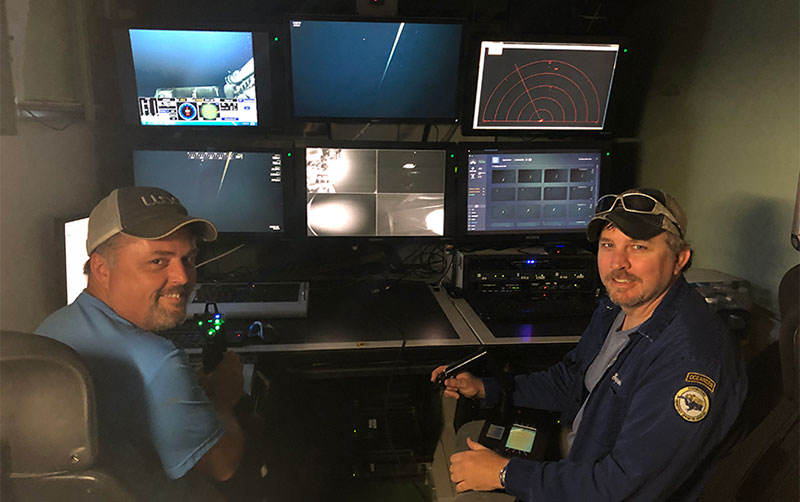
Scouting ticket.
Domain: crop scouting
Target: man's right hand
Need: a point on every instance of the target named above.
(224, 386)
(464, 384)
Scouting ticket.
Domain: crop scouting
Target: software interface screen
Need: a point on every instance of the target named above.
(374, 192)
(528, 192)
(194, 77)
(374, 69)
(237, 191)
(543, 86)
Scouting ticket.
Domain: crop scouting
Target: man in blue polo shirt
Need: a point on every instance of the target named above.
(151, 407)
(651, 389)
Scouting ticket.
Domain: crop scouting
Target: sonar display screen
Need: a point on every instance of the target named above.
(375, 192)
(534, 86)
(191, 78)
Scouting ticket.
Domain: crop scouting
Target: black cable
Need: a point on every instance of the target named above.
(42, 122)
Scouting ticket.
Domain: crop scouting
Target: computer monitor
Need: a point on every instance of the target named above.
(530, 190)
(239, 191)
(526, 87)
(75, 232)
(376, 70)
(387, 191)
(194, 77)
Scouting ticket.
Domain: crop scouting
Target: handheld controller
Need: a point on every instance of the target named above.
(459, 366)
(214, 339)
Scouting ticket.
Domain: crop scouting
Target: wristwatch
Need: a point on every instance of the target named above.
(503, 476)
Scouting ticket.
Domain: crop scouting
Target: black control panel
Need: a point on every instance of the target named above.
(527, 284)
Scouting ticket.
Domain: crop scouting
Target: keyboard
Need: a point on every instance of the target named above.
(256, 300)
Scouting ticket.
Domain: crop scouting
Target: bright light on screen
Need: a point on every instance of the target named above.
(75, 232)
(375, 192)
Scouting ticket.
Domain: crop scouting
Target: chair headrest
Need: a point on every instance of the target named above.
(47, 407)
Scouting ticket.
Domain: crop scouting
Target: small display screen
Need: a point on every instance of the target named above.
(538, 86)
(521, 438)
(375, 192)
(237, 191)
(495, 432)
(191, 78)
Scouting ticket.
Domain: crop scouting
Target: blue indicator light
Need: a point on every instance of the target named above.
(530, 262)
(217, 316)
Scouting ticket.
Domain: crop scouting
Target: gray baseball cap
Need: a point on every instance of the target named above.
(144, 212)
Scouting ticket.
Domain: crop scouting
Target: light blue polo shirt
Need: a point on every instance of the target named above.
(147, 392)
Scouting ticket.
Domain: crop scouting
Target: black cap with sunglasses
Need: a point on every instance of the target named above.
(641, 213)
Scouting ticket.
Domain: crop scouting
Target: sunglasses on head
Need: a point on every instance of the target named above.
(635, 203)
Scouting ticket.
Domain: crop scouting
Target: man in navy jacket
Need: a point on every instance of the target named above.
(651, 389)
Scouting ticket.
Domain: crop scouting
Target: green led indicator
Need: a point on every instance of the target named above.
(289, 154)
(275, 39)
(217, 328)
(211, 332)
(217, 322)
(625, 51)
(199, 323)
(455, 169)
(608, 154)
(452, 155)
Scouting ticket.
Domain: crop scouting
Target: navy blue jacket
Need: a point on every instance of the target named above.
(671, 396)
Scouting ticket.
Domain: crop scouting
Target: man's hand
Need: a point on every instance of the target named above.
(477, 469)
(464, 384)
(224, 385)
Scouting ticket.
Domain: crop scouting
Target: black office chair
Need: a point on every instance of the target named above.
(48, 428)
(764, 465)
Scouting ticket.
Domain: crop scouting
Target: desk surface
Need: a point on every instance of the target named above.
(384, 314)
(368, 314)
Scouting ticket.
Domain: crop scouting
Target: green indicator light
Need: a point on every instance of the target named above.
(199, 323)
(455, 169)
(624, 50)
(217, 328)
(217, 322)
(452, 155)
(211, 332)
(275, 39)
(289, 154)
(608, 154)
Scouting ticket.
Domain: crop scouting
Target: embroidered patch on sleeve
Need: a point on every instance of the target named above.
(692, 403)
(693, 377)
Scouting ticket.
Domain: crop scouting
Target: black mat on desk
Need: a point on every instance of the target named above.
(367, 311)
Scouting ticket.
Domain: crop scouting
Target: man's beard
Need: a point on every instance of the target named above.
(620, 300)
(162, 319)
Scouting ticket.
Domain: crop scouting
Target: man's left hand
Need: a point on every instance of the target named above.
(477, 469)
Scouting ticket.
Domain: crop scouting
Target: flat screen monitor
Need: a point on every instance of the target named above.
(523, 86)
(75, 233)
(239, 191)
(375, 192)
(375, 70)
(176, 77)
(529, 191)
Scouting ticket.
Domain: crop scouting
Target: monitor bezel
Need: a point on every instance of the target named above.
(457, 115)
(532, 237)
(269, 66)
(450, 216)
(470, 84)
(288, 171)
